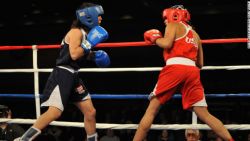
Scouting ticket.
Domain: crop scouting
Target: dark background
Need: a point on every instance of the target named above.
(45, 22)
(32, 22)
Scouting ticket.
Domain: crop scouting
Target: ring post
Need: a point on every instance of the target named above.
(36, 81)
(194, 118)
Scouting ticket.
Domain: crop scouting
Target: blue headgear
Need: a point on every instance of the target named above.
(89, 16)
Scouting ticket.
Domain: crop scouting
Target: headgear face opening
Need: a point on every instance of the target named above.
(89, 16)
(176, 13)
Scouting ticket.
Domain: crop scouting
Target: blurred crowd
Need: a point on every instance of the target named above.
(59, 133)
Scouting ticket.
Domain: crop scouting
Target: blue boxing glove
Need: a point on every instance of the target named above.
(101, 59)
(96, 35)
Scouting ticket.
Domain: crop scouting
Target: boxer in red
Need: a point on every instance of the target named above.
(182, 52)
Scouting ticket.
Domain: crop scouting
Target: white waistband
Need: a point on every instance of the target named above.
(68, 69)
(180, 60)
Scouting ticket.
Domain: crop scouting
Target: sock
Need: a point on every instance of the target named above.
(30, 134)
(92, 137)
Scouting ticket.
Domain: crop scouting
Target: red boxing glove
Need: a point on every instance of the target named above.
(152, 35)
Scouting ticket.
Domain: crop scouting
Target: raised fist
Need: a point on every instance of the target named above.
(96, 35)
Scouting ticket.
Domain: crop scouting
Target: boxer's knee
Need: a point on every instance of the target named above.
(90, 114)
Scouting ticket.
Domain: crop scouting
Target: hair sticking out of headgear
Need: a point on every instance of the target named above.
(178, 7)
(89, 16)
(176, 13)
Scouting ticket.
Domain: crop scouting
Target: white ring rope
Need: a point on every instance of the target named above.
(130, 126)
(125, 69)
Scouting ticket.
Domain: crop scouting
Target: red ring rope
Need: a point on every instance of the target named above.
(126, 44)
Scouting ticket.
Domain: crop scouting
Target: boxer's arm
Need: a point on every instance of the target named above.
(200, 59)
(74, 38)
(169, 36)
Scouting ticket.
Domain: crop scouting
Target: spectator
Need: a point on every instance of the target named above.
(55, 131)
(127, 134)
(163, 136)
(211, 136)
(110, 136)
(218, 139)
(192, 134)
(8, 132)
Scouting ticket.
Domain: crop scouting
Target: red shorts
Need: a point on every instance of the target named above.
(182, 77)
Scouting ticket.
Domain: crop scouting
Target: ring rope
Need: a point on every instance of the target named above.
(125, 69)
(125, 44)
(130, 126)
(129, 96)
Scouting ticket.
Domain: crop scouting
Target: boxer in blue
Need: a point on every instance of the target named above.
(64, 85)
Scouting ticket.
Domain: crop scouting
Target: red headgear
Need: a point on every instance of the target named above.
(176, 14)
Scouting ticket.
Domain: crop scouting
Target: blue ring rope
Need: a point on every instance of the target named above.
(129, 96)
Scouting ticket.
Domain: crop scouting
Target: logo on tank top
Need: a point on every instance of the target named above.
(191, 41)
(80, 89)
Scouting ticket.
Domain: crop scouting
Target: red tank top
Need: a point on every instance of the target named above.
(183, 46)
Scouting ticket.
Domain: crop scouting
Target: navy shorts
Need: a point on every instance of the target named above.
(63, 86)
